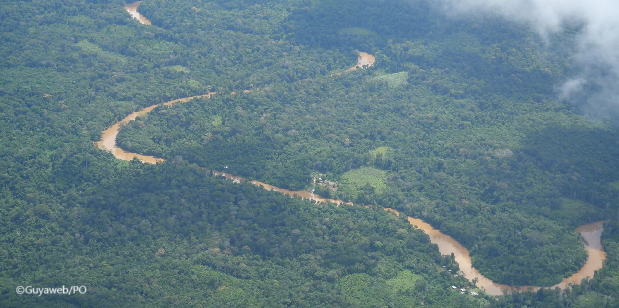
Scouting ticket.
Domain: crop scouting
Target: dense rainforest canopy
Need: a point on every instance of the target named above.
(456, 123)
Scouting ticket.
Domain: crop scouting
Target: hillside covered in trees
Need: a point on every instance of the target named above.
(456, 123)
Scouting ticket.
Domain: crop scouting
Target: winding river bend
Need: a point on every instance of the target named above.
(132, 8)
(447, 245)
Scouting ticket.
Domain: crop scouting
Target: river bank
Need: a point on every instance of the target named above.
(447, 245)
(132, 8)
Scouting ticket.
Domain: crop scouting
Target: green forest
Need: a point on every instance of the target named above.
(457, 123)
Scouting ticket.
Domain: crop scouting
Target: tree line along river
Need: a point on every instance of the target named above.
(447, 245)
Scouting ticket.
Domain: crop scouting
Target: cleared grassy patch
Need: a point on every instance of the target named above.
(352, 181)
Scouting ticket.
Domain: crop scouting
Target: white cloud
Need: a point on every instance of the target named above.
(598, 41)
(570, 87)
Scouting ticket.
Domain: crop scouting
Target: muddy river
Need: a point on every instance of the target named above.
(447, 245)
(132, 8)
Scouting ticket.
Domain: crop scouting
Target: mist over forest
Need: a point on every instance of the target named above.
(595, 28)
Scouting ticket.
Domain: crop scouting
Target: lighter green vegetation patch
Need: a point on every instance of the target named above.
(356, 31)
(362, 290)
(159, 47)
(178, 68)
(352, 181)
(392, 80)
(359, 291)
(216, 120)
(403, 282)
(88, 47)
(93, 49)
(573, 209)
(195, 85)
(380, 151)
(614, 185)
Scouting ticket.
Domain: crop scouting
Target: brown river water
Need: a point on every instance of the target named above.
(132, 8)
(447, 245)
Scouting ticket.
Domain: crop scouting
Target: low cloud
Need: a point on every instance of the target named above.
(570, 87)
(596, 87)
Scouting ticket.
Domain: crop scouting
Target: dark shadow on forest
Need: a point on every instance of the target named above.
(582, 164)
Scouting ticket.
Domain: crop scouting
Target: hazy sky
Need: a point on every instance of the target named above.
(598, 41)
